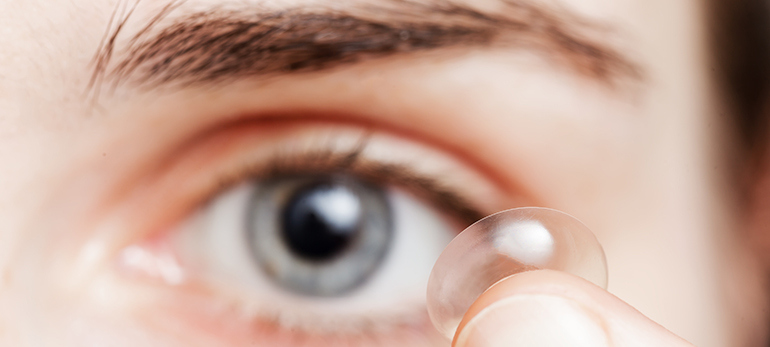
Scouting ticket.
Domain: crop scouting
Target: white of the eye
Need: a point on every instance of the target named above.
(214, 242)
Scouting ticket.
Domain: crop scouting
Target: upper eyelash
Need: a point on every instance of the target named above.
(351, 162)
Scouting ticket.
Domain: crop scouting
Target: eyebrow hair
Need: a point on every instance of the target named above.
(221, 44)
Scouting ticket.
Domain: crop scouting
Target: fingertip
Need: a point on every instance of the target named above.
(530, 282)
(551, 308)
(533, 320)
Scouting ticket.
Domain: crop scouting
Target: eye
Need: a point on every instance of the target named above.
(316, 237)
(317, 253)
(319, 236)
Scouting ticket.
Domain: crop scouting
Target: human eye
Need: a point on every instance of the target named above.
(290, 233)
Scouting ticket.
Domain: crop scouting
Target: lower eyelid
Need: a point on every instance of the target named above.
(188, 316)
(219, 326)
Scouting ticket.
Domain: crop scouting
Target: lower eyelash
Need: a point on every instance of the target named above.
(324, 324)
(230, 319)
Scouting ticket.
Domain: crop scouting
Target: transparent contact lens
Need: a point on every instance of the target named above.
(504, 244)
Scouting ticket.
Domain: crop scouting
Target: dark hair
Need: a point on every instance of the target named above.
(740, 32)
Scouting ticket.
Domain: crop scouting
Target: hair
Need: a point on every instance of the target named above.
(740, 43)
(740, 34)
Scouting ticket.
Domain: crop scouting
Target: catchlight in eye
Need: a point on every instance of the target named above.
(502, 245)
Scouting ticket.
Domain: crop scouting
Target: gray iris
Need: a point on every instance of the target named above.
(319, 236)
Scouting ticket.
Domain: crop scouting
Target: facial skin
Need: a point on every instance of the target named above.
(609, 115)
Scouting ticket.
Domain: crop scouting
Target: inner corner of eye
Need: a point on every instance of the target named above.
(151, 259)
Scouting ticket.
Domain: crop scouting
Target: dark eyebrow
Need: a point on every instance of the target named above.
(226, 44)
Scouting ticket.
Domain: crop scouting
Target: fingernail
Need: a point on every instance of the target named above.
(533, 320)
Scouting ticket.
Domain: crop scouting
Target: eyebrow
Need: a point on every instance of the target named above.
(220, 45)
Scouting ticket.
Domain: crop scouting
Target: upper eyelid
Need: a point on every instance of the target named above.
(328, 153)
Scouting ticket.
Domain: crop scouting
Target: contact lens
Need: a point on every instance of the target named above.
(504, 244)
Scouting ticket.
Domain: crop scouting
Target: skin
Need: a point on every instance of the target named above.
(643, 161)
(569, 311)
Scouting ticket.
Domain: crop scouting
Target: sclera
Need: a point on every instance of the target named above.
(504, 244)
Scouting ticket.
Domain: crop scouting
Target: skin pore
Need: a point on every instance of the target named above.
(121, 122)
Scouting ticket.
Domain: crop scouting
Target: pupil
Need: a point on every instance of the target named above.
(320, 220)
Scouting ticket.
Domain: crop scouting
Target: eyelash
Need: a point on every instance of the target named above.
(351, 162)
